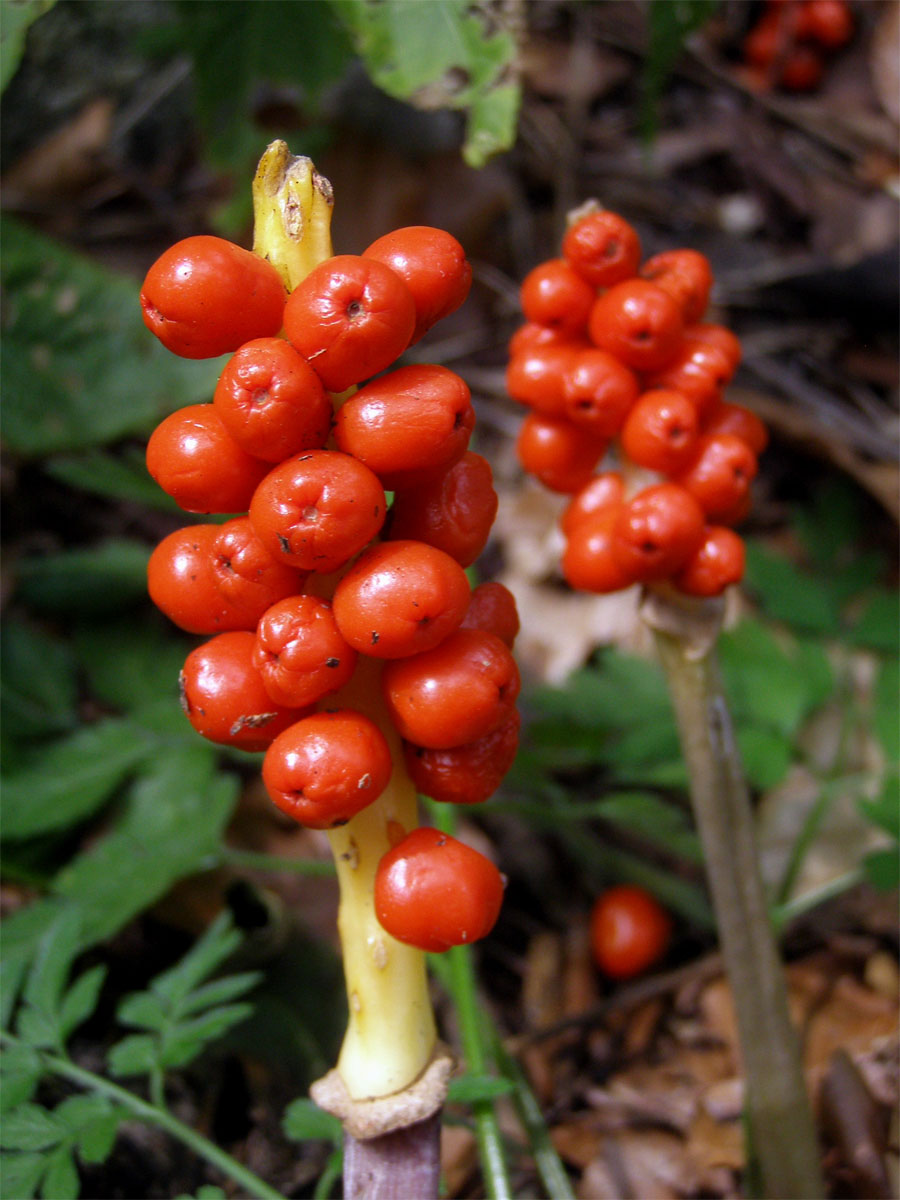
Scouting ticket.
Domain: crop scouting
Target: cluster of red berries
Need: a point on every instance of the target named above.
(790, 42)
(307, 431)
(625, 383)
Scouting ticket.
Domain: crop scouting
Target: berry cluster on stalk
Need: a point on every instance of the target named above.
(791, 41)
(316, 571)
(625, 382)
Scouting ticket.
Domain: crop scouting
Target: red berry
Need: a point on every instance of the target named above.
(687, 277)
(656, 532)
(588, 561)
(453, 511)
(272, 402)
(599, 494)
(532, 336)
(432, 264)
(224, 698)
(194, 458)
(639, 323)
(350, 318)
(598, 392)
(630, 931)
(699, 370)
(602, 248)
(553, 294)
(300, 651)
(467, 774)
(719, 475)
(400, 598)
(205, 296)
(315, 511)
(456, 693)
(434, 892)
(492, 607)
(246, 575)
(558, 453)
(535, 376)
(407, 424)
(661, 431)
(733, 418)
(181, 583)
(327, 767)
(716, 564)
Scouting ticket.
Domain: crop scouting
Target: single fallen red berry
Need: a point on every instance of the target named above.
(630, 931)
(205, 296)
(433, 891)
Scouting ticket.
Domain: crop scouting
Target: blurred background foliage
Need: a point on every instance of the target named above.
(126, 126)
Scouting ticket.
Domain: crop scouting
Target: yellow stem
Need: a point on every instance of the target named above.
(391, 1034)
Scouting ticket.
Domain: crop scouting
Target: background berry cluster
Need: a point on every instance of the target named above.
(625, 382)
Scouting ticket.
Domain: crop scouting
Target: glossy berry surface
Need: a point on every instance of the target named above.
(327, 767)
(492, 607)
(602, 248)
(453, 510)
(467, 774)
(205, 296)
(432, 264)
(629, 931)
(433, 891)
(300, 652)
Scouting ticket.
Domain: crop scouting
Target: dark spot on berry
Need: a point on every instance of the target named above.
(284, 543)
(374, 638)
(332, 662)
(354, 310)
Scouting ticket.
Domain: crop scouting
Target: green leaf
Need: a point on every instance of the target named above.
(189, 1038)
(18, 16)
(789, 594)
(79, 367)
(99, 579)
(884, 810)
(882, 868)
(20, 1175)
(136, 1054)
(878, 624)
(30, 1127)
(654, 819)
(133, 664)
(218, 941)
(765, 754)
(55, 953)
(468, 1088)
(37, 687)
(886, 717)
(61, 1180)
(442, 54)
(71, 778)
(80, 1000)
(670, 24)
(121, 476)
(304, 1121)
(142, 1010)
(20, 1072)
(219, 991)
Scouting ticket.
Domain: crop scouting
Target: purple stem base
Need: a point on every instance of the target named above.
(395, 1166)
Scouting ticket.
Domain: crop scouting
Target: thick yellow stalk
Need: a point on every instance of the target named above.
(391, 1035)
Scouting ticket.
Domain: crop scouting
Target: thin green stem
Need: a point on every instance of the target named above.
(252, 860)
(149, 1113)
(783, 1137)
(799, 906)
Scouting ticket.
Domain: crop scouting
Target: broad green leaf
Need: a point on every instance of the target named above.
(466, 1089)
(37, 686)
(61, 1180)
(20, 1072)
(765, 754)
(98, 579)
(882, 868)
(20, 1175)
(304, 1121)
(71, 778)
(79, 366)
(17, 17)
(30, 1127)
(442, 54)
(878, 624)
(121, 476)
(670, 23)
(132, 664)
(790, 594)
(886, 717)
